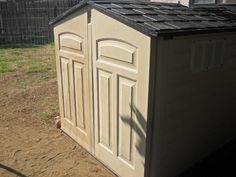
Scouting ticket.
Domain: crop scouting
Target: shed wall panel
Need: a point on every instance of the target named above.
(195, 112)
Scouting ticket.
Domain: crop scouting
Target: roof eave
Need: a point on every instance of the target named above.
(188, 32)
(70, 11)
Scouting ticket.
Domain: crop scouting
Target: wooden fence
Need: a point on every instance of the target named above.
(25, 22)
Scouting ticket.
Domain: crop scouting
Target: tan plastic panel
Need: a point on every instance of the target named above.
(116, 50)
(121, 76)
(73, 78)
(70, 42)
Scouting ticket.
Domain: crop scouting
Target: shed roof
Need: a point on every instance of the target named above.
(166, 19)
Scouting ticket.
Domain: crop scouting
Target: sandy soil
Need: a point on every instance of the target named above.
(30, 145)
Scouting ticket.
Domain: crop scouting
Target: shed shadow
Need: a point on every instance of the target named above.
(139, 128)
(222, 163)
(11, 170)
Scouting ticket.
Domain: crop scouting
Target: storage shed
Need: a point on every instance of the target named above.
(147, 88)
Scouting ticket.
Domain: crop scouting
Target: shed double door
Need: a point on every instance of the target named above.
(117, 70)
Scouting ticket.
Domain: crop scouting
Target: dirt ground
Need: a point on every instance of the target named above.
(30, 145)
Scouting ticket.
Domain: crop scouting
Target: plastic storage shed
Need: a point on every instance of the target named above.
(147, 88)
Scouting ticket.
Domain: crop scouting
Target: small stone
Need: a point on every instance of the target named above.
(57, 117)
(57, 123)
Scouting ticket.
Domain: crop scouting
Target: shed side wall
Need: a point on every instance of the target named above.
(195, 112)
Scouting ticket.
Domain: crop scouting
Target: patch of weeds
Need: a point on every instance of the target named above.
(38, 68)
(6, 67)
(49, 114)
(29, 60)
(24, 82)
(6, 63)
(44, 78)
(16, 52)
(19, 65)
(8, 58)
(51, 44)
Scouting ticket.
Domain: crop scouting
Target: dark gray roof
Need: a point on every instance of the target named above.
(163, 18)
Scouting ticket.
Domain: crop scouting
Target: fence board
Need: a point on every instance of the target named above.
(25, 22)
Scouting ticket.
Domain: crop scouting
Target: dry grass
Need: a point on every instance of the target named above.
(27, 67)
(28, 60)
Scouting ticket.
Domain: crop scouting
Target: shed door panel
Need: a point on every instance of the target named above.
(120, 70)
(126, 119)
(73, 79)
(104, 106)
(79, 94)
(65, 79)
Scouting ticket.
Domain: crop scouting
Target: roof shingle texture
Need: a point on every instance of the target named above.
(162, 18)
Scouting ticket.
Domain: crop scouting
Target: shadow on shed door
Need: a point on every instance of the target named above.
(140, 131)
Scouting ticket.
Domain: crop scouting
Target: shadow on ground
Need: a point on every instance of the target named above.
(220, 164)
(11, 170)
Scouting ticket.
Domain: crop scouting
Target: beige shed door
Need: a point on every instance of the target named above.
(73, 78)
(120, 67)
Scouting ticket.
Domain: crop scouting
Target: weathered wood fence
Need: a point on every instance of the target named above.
(25, 22)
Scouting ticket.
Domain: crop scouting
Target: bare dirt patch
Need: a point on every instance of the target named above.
(30, 145)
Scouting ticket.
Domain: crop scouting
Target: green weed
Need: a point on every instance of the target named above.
(49, 114)
(38, 69)
(6, 67)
